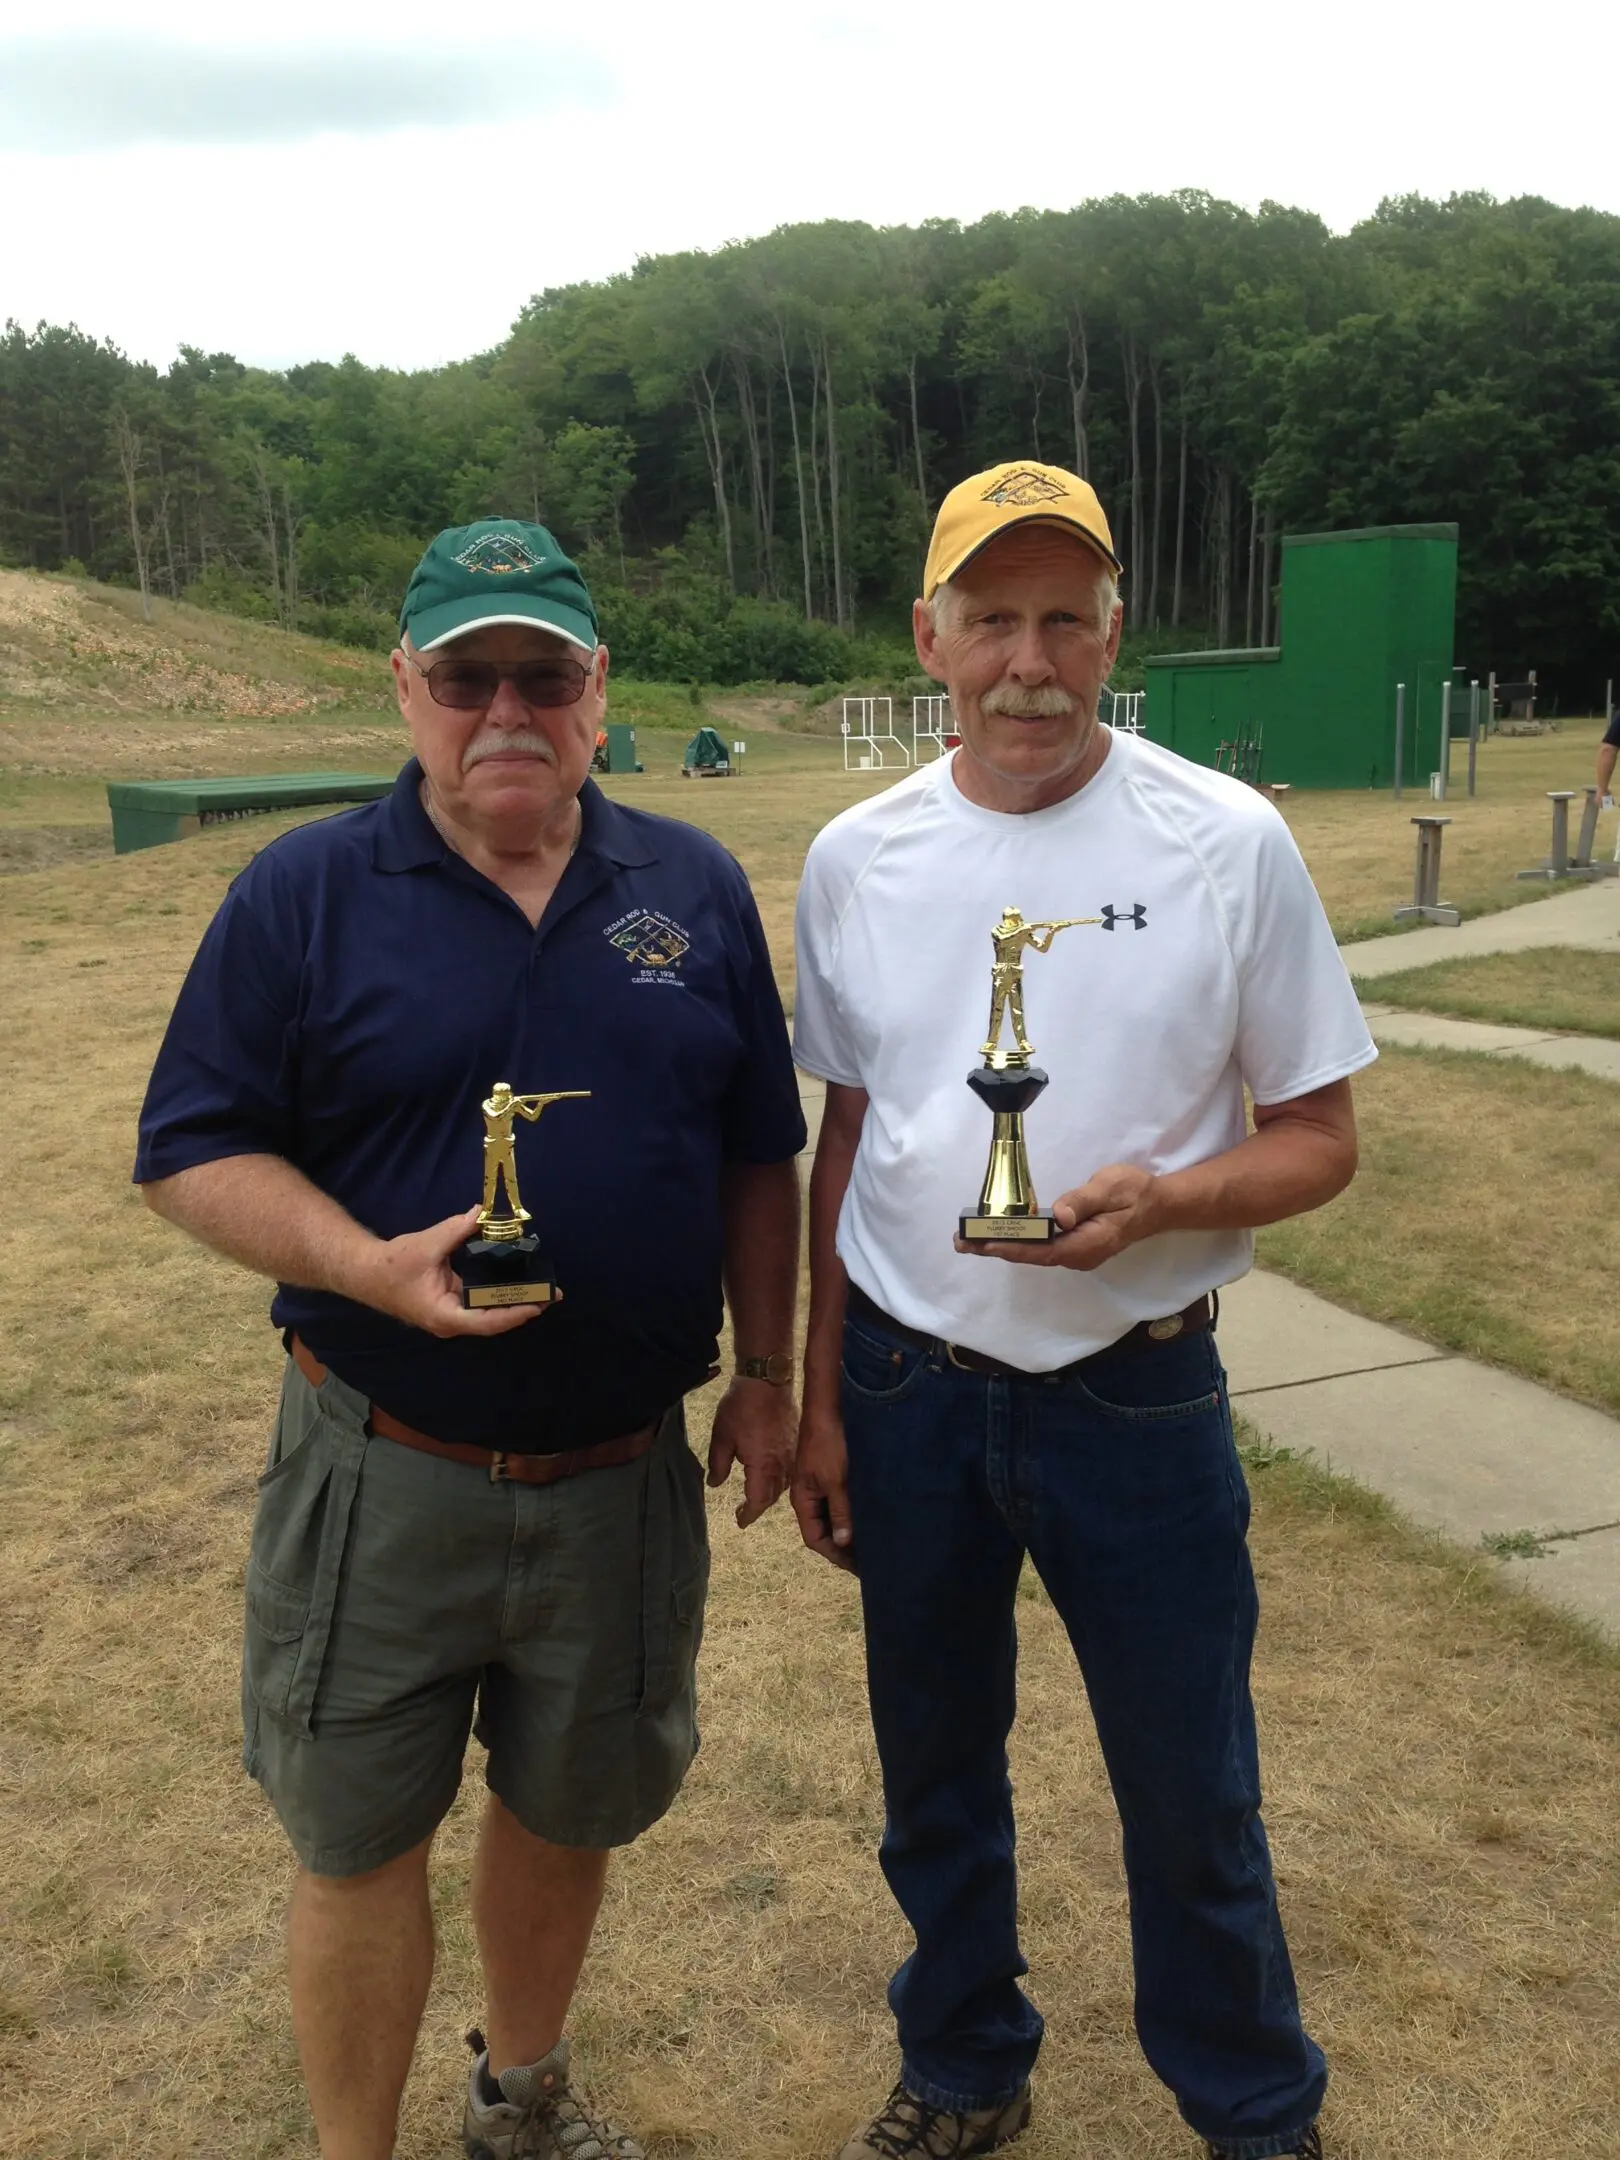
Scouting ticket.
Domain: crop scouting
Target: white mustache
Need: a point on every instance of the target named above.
(521, 745)
(1046, 704)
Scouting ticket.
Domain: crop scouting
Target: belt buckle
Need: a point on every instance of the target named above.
(499, 1474)
(1166, 1330)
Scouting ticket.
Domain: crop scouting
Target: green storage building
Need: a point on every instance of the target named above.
(1359, 613)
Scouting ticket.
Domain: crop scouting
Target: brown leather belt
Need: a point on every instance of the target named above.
(1194, 1319)
(519, 1469)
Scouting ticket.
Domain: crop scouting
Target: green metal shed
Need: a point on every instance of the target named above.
(1360, 612)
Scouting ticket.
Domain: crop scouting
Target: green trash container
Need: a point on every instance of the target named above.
(621, 747)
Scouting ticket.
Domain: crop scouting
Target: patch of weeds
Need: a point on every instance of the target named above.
(756, 1889)
(17, 2021)
(1262, 1454)
(60, 1898)
(107, 1973)
(1490, 1830)
(1515, 1544)
(90, 963)
(36, 944)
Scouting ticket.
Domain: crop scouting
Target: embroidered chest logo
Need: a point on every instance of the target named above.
(652, 943)
(499, 554)
(1020, 489)
(1131, 919)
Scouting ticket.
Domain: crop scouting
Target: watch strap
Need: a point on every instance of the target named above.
(777, 1368)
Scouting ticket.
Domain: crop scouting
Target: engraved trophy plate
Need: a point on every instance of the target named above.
(502, 1264)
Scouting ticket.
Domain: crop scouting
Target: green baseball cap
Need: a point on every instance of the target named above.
(496, 571)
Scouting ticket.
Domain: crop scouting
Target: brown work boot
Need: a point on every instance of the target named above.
(906, 2128)
(539, 2115)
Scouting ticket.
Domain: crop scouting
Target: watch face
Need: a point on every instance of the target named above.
(777, 1368)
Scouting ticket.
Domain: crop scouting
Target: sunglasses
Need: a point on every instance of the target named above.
(470, 685)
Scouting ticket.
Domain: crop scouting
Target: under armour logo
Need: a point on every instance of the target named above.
(1137, 918)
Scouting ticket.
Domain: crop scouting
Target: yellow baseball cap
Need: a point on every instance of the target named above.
(976, 510)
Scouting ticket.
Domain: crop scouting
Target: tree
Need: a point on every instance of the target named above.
(779, 419)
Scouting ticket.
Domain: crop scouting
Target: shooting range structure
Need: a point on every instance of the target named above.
(1427, 904)
(933, 729)
(1559, 863)
(1121, 710)
(707, 757)
(1360, 612)
(150, 813)
(870, 743)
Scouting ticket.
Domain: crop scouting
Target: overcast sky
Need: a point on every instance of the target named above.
(395, 181)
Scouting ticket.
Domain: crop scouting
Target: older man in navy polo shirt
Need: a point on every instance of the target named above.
(484, 1513)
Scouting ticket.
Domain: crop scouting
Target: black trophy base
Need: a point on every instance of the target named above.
(1008, 1091)
(1036, 1229)
(504, 1271)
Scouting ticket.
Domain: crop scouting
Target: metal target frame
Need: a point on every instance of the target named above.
(871, 743)
(931, 722)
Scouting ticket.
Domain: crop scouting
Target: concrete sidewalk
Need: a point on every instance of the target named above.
(1435, 1031)
(1460, 1447)
(1584, 915)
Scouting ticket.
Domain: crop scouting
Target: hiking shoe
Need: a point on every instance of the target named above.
(539, 2116)
(906, 2128)
(1308, 2148)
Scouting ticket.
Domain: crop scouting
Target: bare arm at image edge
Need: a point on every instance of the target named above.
(754, 1420)
(820, 1495)
(261, 1211)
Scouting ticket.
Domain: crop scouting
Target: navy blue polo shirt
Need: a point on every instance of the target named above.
(354, 1000)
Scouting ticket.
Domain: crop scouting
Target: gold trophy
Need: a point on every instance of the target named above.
(503, 1264)
(1007, 1082)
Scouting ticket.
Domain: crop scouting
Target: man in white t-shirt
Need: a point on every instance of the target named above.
(968, 1405)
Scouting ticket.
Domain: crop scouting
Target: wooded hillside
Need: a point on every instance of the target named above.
(749, 445)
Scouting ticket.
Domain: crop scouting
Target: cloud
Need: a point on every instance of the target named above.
(90, 92)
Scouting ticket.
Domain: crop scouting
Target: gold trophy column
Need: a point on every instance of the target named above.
(501, 1263)
(1007, 1083)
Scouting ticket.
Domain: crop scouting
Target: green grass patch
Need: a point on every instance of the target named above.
(1553, 986)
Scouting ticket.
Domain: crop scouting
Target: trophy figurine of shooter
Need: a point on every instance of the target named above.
(1007, 1083)
(502, 1263)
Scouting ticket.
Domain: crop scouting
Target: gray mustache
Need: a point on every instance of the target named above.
(487, 746)
(1045, 704)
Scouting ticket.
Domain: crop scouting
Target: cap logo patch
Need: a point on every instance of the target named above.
(1018, 490)
(499, 554)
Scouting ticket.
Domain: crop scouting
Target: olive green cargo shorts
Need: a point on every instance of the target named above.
(391, 1594)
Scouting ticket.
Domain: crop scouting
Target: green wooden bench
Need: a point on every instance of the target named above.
(146, 813)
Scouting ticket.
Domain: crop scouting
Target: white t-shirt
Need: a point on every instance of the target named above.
(1212, 966)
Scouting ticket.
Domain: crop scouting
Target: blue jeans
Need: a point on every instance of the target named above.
(1125, 1491)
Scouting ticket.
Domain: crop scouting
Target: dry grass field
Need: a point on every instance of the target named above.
(1442, 1757)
